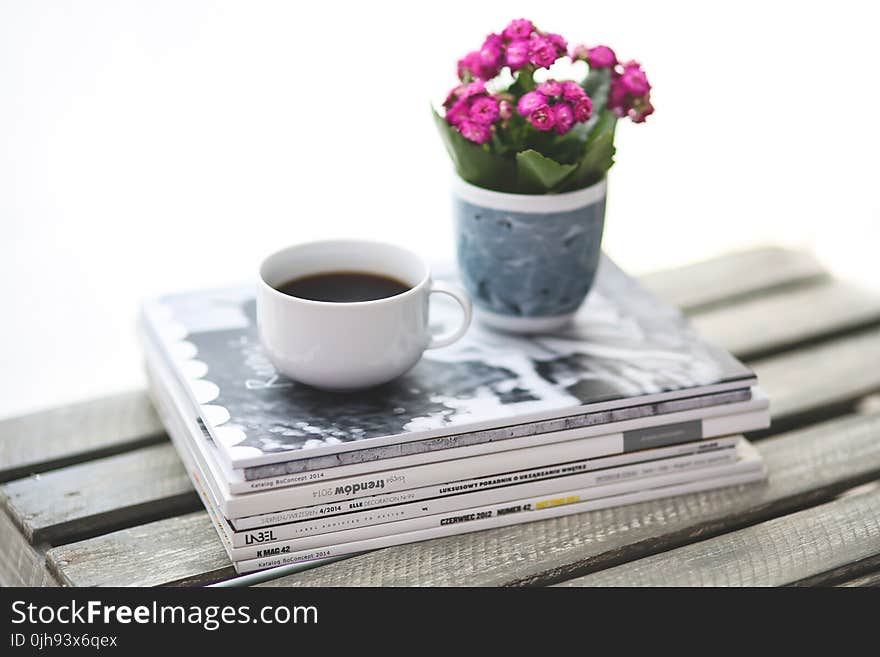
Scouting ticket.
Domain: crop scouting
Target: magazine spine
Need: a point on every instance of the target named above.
(559, 505)
(539, 422)
(507, 437)
(456, 489)
(745, 416)
(423, 515)
(401, 479)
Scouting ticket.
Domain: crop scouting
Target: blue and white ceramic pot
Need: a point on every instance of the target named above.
(528, 261)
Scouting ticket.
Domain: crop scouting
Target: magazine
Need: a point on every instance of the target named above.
(507, 437)
(632, 435)
(625, 349)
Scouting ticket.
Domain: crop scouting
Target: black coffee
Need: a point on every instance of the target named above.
(343, 287)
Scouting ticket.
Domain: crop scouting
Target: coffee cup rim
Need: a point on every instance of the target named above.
(423, 280)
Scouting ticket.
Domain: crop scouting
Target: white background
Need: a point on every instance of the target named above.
(157, 146)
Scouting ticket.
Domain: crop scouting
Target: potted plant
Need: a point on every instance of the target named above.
(531, 151)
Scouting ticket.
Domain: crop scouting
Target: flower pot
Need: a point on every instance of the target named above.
(528, 261)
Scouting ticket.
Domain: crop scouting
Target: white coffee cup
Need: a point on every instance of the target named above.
(349, 345)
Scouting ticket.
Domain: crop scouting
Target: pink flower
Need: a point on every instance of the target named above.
(475, 132)
(472, 111)
(517, 54)
(451, 97)
(505, 109)
(596, 57)
(572, 91)
(458, 112)
(558, 42)
(530, 102)
(483, 64)
(630, 93)
(641, 110)
(470, 66)
(491, 53)
(617, 97)
(580, 52)
(474, 88)
(463, 92)
(601, 57)
(519, 28)
(484, 110)
(634, 80)
(542, 52)
(583, 109)
(563, 118)
(550, 88)
(542, 118)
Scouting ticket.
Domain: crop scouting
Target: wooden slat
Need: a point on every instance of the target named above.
(772, 553)
(21, 564)
(806, 466)
(181, 551)
(870, 404)
(821, 380)
(99, 496)
(842, 574)
(71, 434)
(734, 277)
(770, 324)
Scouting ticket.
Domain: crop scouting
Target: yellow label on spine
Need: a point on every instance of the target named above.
(558, 501)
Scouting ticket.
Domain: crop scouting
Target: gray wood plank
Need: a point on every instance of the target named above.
(79, 432)
(806, 466)
(821, 380)
(21, 564)
(870, 404)
(181, 551)
(734, 277)
(102, 495)
(841, 574)
(776, 322)
(773, 553)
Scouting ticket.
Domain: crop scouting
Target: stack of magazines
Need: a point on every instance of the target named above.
(625, 405)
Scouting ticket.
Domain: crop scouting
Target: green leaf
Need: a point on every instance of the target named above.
(511, 139)
(538, 174)
(476, 163)
(524, 82)
(566, 148)
(598, 86)
(598, 155)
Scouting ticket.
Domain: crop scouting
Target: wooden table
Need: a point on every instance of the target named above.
(94, 494)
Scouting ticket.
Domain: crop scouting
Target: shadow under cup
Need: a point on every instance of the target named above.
(349, 345)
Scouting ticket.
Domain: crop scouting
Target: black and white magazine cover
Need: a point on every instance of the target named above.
(625, 347)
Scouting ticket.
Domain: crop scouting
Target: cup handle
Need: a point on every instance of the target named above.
(440, 287)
